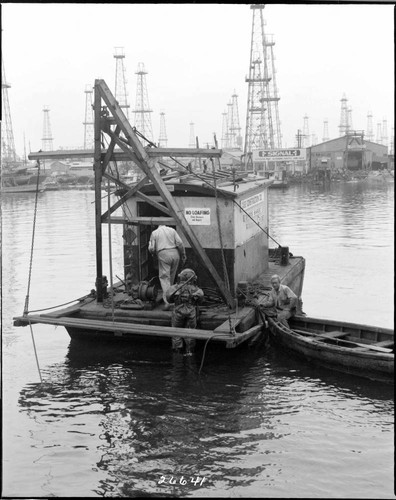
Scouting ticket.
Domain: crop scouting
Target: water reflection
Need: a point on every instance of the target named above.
(110, 420)
(147, 413)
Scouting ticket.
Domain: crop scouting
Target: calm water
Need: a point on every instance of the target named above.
(121, 421)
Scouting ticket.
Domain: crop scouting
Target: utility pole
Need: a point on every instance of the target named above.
(89, 119)
(142, 110)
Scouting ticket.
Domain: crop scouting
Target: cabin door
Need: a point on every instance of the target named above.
(145, 258)
(148, 265)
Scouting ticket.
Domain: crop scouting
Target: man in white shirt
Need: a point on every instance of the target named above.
(169, 248)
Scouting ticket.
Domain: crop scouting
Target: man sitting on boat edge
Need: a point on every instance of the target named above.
(283, 299)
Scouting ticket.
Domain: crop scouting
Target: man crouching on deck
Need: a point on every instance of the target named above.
(283, 299)
(186, 296)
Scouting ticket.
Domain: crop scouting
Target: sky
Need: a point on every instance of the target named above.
(196, 56)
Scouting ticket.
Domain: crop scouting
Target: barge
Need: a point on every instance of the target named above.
(222, 218)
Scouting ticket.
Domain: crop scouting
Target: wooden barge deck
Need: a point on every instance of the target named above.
(230, 327)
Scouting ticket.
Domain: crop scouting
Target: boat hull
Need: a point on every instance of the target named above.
(362, 359)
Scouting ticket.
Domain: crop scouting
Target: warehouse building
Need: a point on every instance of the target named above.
(350, 152)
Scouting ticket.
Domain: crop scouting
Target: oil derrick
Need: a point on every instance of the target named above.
(384, 132)
(142, 110)
(120, 81)
(379, 134)
(325, 130)
(343, 126)
(234, 128)
(306, 137)
(392, 143)
(350, 126)
(163, 139)
(47, 142)
(370, 132)
(224, 131)
(299, 139)
(262, 121)
(228, 132)
(8, 153)
(192, 143)
(89, 119)
(274, 93)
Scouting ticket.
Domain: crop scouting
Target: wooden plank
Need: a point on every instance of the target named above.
(64, 154)
(334, 334)
(149, 169)
(184, 152)
(131, 328)
(143, 221)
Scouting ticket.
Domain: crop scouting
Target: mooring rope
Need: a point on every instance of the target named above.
(25, 310)
(35, 351)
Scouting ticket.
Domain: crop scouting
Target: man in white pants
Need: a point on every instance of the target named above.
(169, 248)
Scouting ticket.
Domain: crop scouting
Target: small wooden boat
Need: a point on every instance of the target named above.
(362, 350)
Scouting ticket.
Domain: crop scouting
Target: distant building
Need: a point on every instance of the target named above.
(231, 158)
(59, 168)
(349, 152)
(80, 168)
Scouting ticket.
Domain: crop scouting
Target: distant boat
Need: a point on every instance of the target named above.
(365, 351)
(18, 179)
(26, 188)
